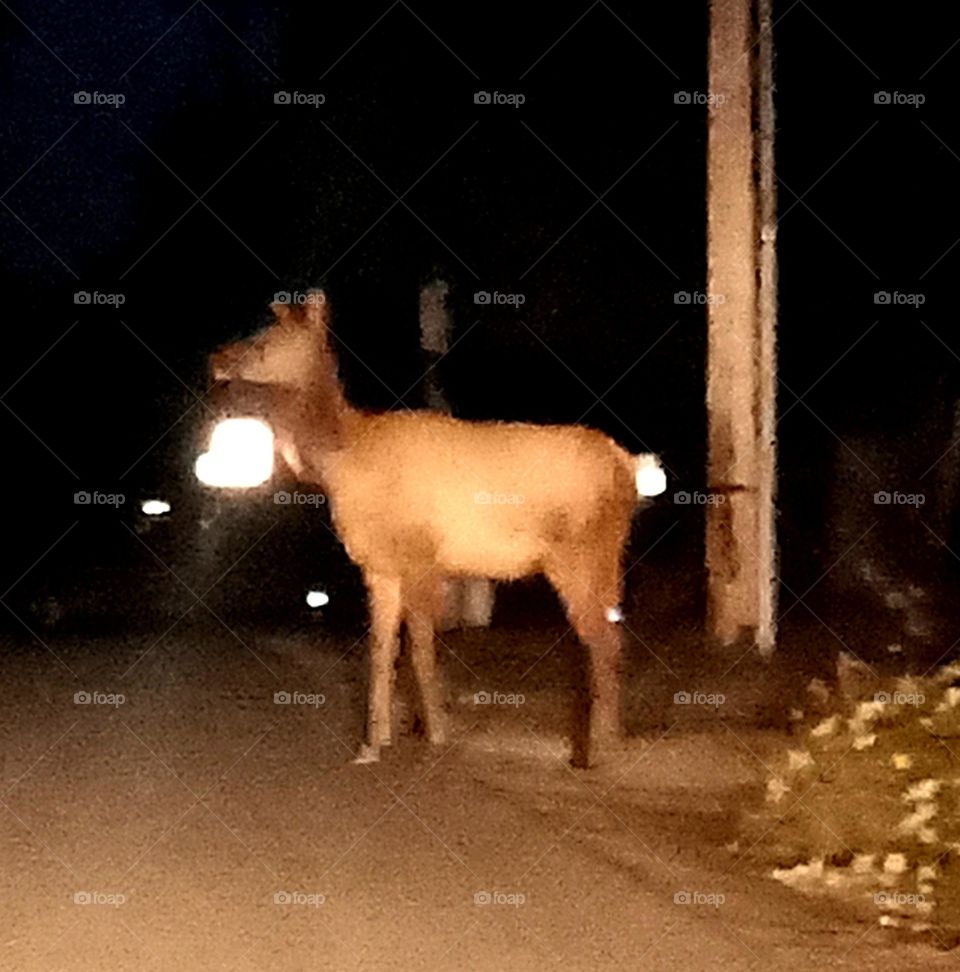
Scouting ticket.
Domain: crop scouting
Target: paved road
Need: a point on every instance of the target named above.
(204, 826)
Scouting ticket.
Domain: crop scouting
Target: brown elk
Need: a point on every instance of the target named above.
(417, 497)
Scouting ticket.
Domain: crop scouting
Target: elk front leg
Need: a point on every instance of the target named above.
(384, 593)
(424, 605)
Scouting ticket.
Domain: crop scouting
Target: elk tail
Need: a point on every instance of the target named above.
(648, 475)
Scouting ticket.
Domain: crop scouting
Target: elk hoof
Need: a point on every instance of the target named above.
(607, 749)
(367, 754)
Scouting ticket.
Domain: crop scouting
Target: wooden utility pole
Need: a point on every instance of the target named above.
(741, 283)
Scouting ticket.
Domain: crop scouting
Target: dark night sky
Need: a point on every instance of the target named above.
(105, 198)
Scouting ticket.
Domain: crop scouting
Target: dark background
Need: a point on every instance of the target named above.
(102, 198)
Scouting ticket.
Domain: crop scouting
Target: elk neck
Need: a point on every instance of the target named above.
(313, 416)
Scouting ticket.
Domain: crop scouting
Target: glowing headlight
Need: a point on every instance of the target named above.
(155, 507)
(240, 455)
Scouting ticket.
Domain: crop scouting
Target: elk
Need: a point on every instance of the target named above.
(418, 497)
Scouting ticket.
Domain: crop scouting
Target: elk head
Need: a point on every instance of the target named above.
(290, 352)
(293, 360)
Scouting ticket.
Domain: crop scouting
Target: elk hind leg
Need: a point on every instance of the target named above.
(591, 596)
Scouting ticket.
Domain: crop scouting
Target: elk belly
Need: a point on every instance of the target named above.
(500, 558)
(488, 539)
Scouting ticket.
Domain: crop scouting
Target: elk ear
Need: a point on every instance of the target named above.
(281, 310)
(316, 311)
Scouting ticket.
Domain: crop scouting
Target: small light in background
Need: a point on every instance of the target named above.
(316, 599)
(155, 507)
(241, 454)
